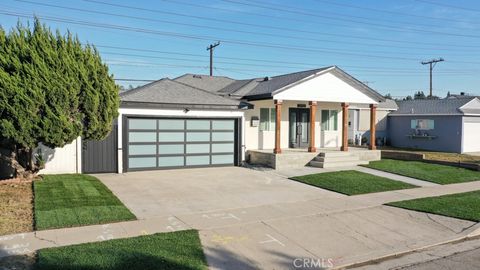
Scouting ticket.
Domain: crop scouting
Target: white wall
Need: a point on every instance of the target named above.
(65, 159)
(172, 112)
(470, 134)
(256, 139)
(325, 87)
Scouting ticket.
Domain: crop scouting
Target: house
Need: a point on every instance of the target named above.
(197, 120)
(449, 125)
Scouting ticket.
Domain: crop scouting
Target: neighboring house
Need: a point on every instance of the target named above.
(450, 125)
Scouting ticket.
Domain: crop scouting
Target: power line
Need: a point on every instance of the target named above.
(272, 27)
(300, 64)
(303, 13)
(372, 69)
(443, 19)
(231, 41)
(337, 14)
(226, 29)
(449, 6)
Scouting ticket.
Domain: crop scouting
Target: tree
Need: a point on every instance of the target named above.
(388, 96)
(52, 90)
(419, 95)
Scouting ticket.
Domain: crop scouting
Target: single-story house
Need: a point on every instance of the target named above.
(449, 125)
(198, 120)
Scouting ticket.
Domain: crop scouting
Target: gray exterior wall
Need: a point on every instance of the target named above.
(448, 130)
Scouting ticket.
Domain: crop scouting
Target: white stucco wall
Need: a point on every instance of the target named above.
(173, 112)
(256, 139)
(67, 159)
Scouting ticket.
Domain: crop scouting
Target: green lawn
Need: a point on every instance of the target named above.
(175, 250)
(352, 182)
(440, 174)
(69, 200)
(462, 205)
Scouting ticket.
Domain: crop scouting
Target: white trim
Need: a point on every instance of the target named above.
(79, 155)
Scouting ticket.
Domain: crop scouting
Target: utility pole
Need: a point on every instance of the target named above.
(432, 64)
(210, 48)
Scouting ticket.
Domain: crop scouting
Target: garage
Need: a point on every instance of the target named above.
(166, 143)
(471, 134)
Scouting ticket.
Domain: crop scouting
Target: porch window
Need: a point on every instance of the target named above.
(267, 119)
(329, 120)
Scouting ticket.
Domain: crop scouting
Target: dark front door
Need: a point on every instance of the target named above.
(101, 156)
(299, 126)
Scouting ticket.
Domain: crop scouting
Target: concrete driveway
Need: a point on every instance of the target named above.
(174, 192)
(256, 220)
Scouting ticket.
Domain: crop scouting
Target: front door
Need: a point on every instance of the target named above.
(299, 127)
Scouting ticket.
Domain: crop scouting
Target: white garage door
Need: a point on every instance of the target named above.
(159, 143)
(471, 137)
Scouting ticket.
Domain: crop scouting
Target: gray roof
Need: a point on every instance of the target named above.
(431, 107)
(274, 83)
(388, 104)
(166, 91)
(205, 82)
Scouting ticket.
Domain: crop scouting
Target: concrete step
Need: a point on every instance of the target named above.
(339, 158)
(319, 164)
(334, 154)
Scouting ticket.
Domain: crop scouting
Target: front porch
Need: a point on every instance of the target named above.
(322, 157)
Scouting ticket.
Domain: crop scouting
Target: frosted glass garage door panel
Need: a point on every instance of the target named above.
(171, 124)
(198, 160)
(198, 124)
(222, 136)
(142, 149)
(142, 162)
(198, 136)
(142, 124)
(222, 159)
(170, 161)
(142, 136)
(222, 148)
(169, 149)
(198, 148)
(223, 124)
(170, 136)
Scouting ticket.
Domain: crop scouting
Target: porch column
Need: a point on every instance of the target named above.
(344, 127)
(313, 110)
(373, 117)
(278, 113)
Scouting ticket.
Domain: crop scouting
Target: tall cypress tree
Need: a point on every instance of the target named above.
(52, 90)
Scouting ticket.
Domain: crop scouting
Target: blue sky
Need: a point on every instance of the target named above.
(379, 42)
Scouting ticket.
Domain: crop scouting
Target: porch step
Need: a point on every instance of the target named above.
(334, 154)
(337, 164)
(336, 159)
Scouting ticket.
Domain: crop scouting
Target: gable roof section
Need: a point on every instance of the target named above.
(472, 107)
(205, 82)
(267, 87)
(277, 84)
(166, 91)
(431, 107)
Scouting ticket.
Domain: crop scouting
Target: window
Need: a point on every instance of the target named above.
(329, 120)
(267, 119)
(423, 124)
